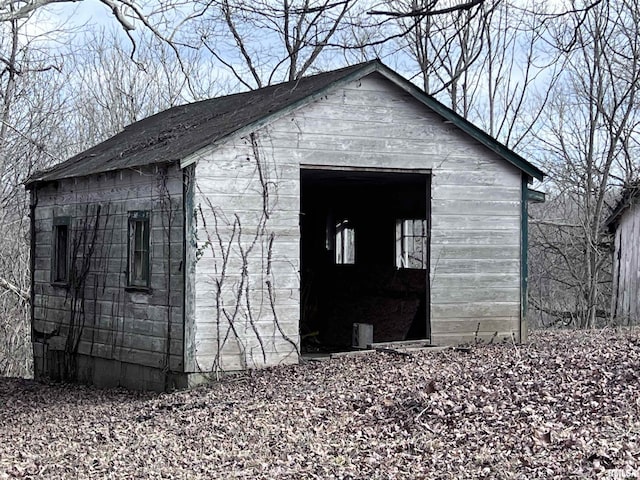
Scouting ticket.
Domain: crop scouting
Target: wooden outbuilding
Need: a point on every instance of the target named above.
(242, 231)
(624, 224)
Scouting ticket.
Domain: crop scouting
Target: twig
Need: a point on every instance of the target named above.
(422, 12)
(22, 294)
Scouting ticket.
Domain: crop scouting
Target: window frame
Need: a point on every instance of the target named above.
(60, 224)
(344, 243)
(403, 244)
(136, 220)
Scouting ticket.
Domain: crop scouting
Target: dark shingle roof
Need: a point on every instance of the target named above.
(176, 133)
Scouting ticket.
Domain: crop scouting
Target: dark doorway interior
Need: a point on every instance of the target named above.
(364, 254)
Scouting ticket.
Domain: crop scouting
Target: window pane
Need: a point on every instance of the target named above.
(408, 228)
(411, 243)
(60, 254)
(349, 246)
(345, 238)
(138, 249)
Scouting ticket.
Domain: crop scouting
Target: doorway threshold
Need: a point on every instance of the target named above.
(404, 346)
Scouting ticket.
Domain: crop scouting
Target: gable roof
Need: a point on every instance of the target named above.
(178, 132)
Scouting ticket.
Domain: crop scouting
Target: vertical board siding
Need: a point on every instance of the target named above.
(105, 319)
(626, 274)
(615, 278)
(475, 204)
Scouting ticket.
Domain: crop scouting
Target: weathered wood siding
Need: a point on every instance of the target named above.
(625, 304)
(248, 191)
(247, 298)
(98, 317)
(475, 198)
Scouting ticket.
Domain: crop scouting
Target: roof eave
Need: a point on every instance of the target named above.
(629, 194)
(374, 66)
(463, 124)
(44, 177)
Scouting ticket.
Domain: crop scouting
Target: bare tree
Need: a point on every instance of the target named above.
(109, 92)
(127, 13)
(434, 8)
(445, 47)
(517, 74)
(263, 42)
(42, 97)
(30, 100)
(590, 138)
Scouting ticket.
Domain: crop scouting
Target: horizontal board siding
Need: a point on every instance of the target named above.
(246, 278)
(475, 196)
(130, 355)
(477, 207)
(473, 251)
(476, 280)
(475, 222)
(138, 195)
(474, 192)
(474, 310)
(474, 237)
(470, 293)
(117, 324)
(480, 177)
(230, 362)
(208, 298)
(253, 202)
(483, 326)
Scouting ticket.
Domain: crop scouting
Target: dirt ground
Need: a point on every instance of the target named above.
(566, 405)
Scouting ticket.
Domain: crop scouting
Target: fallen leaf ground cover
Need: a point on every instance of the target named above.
(565, 405)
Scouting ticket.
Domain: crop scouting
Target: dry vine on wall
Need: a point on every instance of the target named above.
(93, 244)
(237, 249)
(168, 214)
(87, 277)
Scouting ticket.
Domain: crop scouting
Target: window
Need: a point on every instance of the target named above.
(345, 253)
(60, 250)
(139, 249)
(411, 243)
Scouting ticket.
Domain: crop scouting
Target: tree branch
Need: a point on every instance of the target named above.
(21, 294)
(427, 12)
(318, 9)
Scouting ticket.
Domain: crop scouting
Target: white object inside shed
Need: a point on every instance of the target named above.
(362, 335)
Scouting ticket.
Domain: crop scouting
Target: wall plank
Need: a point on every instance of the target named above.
(475, 237)
(115, 324)
(626, 273)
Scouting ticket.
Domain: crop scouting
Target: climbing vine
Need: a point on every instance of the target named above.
(239, 251)
(83, 275)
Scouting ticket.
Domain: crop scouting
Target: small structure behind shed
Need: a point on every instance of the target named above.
(624, 224)
(237, 232)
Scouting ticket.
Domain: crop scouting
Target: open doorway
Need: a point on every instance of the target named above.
(364, 256)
